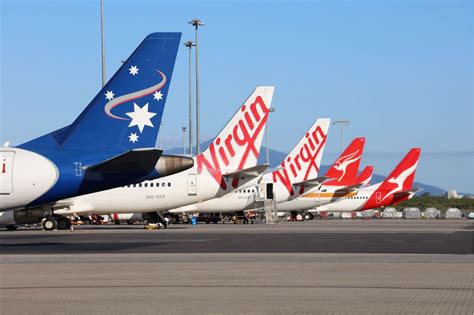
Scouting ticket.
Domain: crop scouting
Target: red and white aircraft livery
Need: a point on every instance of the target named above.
(229, 163)
(395, 188)
(341, 181)
(365, 176)
(300, 166)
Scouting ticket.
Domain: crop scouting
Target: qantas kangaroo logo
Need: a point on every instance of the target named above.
(346, 160)
(244, 134)
(400, 180)
(303, 161)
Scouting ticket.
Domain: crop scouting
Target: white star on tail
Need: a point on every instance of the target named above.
(158, 95)
(109, 95)
(140, 117)
(133, 137)
(133, 70)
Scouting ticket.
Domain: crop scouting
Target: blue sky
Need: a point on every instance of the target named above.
(401, 71)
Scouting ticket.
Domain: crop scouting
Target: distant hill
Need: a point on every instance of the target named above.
(277, 156)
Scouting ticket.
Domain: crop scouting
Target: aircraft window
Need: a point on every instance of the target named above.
(140, 185)
(145, 184)
(152, 184)
(163, 184)
(169, 184)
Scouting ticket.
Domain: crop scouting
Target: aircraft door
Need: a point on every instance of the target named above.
(192, 185)
(269, 191)
(6, 172)
(378, 197)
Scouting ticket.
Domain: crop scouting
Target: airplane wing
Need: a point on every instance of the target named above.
(71, 207)
(184, 209)
(247, 173)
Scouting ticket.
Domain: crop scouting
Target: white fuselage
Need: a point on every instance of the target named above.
(239, 200)
(354, 202)
(24, 177)
(166, 193)
(314, 198)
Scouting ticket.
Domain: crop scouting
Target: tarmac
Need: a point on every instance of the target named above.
(313, 267)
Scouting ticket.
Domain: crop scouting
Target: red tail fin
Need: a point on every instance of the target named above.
(365, 176)
(344, 170)
(399, 180)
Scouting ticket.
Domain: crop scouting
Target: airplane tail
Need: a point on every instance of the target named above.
(399, 183)
(344, 171)
(238, 144)
(303, 162)
(404, 174)
(365, 176)
(126, 114)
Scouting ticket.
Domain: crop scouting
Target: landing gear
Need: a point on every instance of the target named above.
(11, 227)
(162, 220)
(155, 217)
(63, 223)
(50, 224)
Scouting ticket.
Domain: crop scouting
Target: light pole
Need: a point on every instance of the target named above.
(342, 123)
(270, 110)
(184, 140)
(190, 45)
(102, 40)
(196, 23)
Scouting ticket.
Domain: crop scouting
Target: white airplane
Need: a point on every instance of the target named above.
(342, 181)
(299, 169)
(229, 163)
(110, 144)
(397, 187)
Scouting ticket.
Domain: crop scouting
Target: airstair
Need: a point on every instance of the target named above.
(265, 199)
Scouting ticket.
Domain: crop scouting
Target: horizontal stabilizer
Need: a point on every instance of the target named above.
(246, 173)
(123, 169)
(315, 182)
(408, 192)
(350, 188)
(131, 161)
